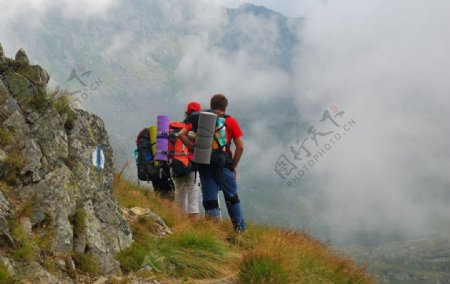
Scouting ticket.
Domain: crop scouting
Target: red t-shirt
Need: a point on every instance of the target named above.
(234, 131)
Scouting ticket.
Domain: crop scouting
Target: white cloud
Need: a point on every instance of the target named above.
(385, 63)
(32, 9)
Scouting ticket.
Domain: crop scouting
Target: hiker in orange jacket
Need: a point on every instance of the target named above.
(187, 188)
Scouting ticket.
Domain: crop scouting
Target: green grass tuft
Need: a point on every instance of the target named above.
(38, 102)
(78, 221)
(12, 166)
(132, 259)
(188, 254)
(6, 137)
(26, 246)
(262, 269)
(5, 189)
(86, 263)
(61, 102)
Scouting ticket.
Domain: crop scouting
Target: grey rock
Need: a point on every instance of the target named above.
(3, 156)
(54, 195)
(116, 279)
(101, 280)
(17, 123)
(8, 107)
(70, 264)
(79, 244)
(160, 228)
(102, 210)
(49, 131)
(61, 263)
(37, 216)
(19, 86)
(5, 206)
(146, 268)
(22, 57)
(87, 133)
(33, 155)
(3, 60)
(2, 53)
(25, 223)
(35, 273)
(4, 93)
(99, 242)
(33, 117)
(5, 215)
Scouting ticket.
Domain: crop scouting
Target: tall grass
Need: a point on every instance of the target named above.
(185, 254)
(131, 195)
(286, 256)
(192, 251)
(207, 249)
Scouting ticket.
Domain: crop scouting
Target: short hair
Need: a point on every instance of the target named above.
(219, 102)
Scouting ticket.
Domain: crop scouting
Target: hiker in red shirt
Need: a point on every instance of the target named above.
(222, 170)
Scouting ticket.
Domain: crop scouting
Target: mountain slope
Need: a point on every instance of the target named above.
(60, 221)
(418, 261)
(203, 249)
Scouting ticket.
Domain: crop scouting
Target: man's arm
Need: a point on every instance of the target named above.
(239, 143)
(183, 137)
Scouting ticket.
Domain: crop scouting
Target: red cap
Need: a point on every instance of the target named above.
(193, 107)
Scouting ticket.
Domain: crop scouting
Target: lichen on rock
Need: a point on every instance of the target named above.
(58, 176)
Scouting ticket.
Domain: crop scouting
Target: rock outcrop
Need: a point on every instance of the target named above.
(58, 163)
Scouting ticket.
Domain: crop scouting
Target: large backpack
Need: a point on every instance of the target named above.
(147, 168)
(178, 152)
(221, 154)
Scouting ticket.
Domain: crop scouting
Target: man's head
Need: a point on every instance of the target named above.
(193, 107)
(219, 102)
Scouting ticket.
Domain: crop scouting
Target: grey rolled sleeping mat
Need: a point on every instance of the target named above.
(205, 136)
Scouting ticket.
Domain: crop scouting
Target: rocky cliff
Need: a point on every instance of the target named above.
(56, 173)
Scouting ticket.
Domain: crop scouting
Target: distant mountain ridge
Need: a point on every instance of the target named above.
(135, 54)
(418, 261)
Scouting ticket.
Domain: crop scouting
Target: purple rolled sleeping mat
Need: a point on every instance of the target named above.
(162, 139)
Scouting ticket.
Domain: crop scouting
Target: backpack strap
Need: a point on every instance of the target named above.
(195, 172)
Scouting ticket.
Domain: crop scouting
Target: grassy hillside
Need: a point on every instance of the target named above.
(206, 250)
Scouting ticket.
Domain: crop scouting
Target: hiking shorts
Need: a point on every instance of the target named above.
(187, 191)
